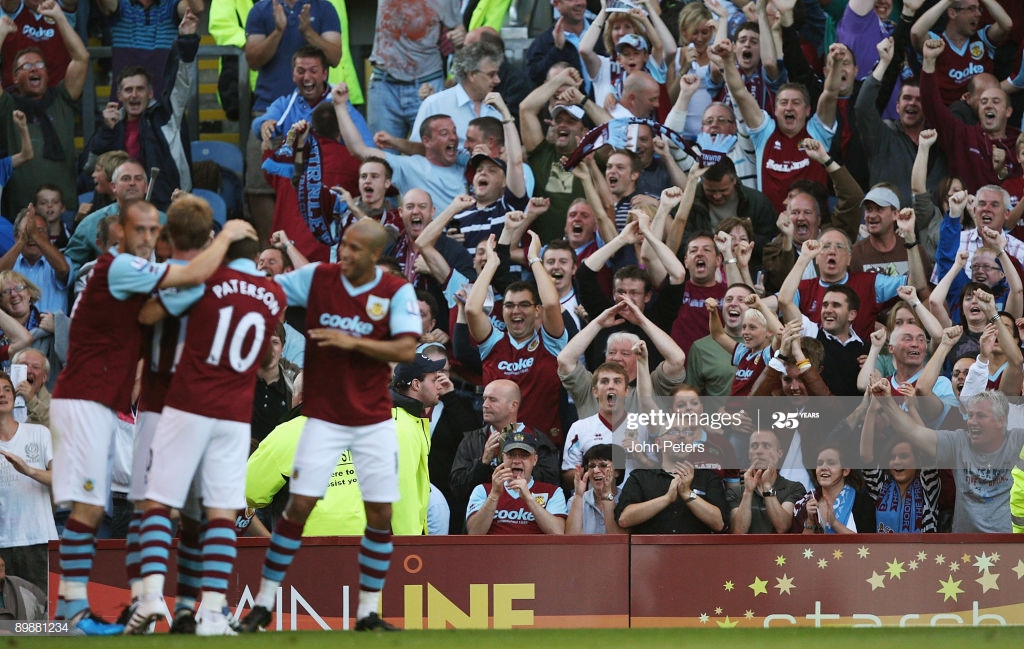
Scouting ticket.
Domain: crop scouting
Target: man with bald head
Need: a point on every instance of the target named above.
(640, 93)
(479, 453)
(130, 183)
(358, 319)
(982, 154)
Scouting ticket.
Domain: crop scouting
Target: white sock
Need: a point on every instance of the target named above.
(368, 602)
(152, 585)
(268, 593)
(214, 602)
(137, 589)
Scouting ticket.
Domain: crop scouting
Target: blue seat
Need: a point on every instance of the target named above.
(220, 208)
(225, 154)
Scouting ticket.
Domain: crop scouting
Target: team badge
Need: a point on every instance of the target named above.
(377, 307)
(33, 453)
(542, 499)
(977, 50)
(532, 347)
(88, 485)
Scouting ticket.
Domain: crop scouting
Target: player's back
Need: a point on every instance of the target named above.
(225, 338)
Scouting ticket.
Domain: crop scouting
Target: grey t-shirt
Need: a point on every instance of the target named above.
(983, 480)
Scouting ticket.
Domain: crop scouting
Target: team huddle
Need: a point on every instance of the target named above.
(201, 321)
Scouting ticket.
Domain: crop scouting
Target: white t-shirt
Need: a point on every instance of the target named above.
(26, 515)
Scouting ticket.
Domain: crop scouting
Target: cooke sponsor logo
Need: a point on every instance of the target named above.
(349, 324)
(38, 33)
(515, 367)
(514, 515)
(962, 75)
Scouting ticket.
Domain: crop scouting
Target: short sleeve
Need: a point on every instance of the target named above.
(130, 275)
(476, 500)
(296, 284)
(405, 312)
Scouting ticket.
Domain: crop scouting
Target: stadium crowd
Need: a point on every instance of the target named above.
(445, 316)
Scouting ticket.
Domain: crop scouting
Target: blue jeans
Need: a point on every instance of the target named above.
(393, 107)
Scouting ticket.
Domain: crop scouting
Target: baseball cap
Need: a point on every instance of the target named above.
(417, 369)
(480, 157)
(575, 111)
(520, 439)
(882, 197)
(636, 41)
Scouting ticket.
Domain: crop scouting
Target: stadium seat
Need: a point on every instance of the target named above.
(220, 209)
(225, 154)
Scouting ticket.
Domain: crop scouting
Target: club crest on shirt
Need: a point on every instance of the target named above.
(542, 499)
(33, 453)
(377, 307)
(977, 50)
(532, 347)
(88, 485)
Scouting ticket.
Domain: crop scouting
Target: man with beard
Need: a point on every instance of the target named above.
(765, 503)
(513, 502)
(891, 145)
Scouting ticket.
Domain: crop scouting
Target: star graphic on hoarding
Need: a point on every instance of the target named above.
(703, 618)
(949, 589)
(784, 584)
(808, 553)
(876, 580)
(966, 558)
(1019, 569)
(822, 563)
(760, 586)
(953, 566)
(895, 569)
(748, 614)
(780, 560)
(718, 610)
(988, 582)
(728, 585)
(983, 562)
(994, 556)
(921, 556)
(912, 565)
(837, 554)
(728, 624)
(863, 552)
(940, 559)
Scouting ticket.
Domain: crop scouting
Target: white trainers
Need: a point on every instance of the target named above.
(147, 611)
(215, 622)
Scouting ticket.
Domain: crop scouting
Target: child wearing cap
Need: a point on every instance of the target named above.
(636, 40)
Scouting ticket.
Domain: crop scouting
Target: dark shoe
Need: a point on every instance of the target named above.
(184, 622)
(258, 618)
(372, 622)
(126, 614)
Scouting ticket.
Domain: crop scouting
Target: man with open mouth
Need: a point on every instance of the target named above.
(513, 502)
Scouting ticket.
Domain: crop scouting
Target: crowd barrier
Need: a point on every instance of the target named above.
(641, 581)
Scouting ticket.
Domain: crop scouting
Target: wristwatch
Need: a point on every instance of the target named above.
(769, 492)
(609, 497)
(692, 497)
